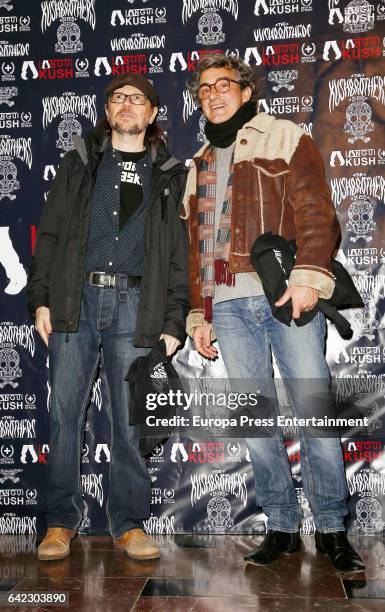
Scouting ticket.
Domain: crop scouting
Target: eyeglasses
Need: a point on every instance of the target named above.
(120, 98)
(221, 85)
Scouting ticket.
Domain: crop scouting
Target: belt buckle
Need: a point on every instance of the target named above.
(111, 280)
(93, 282)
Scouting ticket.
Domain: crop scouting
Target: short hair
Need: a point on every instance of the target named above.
(245, 73)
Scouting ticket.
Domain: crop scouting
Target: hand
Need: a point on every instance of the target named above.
(203, 336)
(171, 343)
(43, 323)
(302, 299)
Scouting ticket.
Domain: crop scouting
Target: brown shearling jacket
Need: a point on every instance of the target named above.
(279, 185)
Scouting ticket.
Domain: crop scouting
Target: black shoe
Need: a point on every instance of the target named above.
(337, 547)
(275, 544)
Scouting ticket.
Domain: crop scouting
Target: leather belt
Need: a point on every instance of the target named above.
(101, 279)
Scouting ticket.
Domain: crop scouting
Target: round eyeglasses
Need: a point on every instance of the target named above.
(120, 98)
(221, 85)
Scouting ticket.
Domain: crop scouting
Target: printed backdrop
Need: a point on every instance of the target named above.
(320, 63)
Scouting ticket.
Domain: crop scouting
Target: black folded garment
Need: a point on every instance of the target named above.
(273, 258)
(152, 374)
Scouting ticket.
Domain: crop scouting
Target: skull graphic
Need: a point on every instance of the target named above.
(369, 516)
(364, 320)
(370, 409)
(359, 16)
(67, 129)
(283, 79)
(219, 514)
(68, 38)
(210, 29)
(8, 180)
(6, 93)
(213, 411)
(358, 121)
(361, 213)
(9, 367)
(374, 414)
(5, 4)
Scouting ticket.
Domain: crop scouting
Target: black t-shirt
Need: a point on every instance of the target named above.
(131, 190)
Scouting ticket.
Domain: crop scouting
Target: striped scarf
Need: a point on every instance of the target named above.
(214, 250)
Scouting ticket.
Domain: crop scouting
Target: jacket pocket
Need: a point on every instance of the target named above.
(272, 193)
(271, 167)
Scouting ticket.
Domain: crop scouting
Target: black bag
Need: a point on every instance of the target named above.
(151, 374)
(273, 258)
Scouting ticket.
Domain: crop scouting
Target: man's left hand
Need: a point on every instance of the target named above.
(302, 299)
(171, 343)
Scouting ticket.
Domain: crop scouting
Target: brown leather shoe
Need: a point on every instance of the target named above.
(56, 544)
(138, 545)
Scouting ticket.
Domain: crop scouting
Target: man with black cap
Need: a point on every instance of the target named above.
(108, 276)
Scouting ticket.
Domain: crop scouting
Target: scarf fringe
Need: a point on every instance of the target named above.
(222, 274)
(208, 308)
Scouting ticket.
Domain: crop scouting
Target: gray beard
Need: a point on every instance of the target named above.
(132, 131)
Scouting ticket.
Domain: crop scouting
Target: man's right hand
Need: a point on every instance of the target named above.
(43, 323)
(203, 336)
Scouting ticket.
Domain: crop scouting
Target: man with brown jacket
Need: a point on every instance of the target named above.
(258, 174)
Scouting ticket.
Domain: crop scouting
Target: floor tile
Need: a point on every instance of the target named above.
(365, 589)
(240, 604)
(176, 587)
(6, 584)
(304, 574)
(94, 593)
(199, 572)
(199, 541)
(195, 604)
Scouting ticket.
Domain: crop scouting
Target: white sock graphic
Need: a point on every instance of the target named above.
(180, 58)
(12, 266)
(175, 447)
(331, 45)
(28, 448)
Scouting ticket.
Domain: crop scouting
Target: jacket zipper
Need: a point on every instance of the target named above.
(68, 307)
(261, 224)
(164, 195)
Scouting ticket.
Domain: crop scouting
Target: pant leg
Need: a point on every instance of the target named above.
(72, 367)
(240, 329)
(129, 490)
(299, 352)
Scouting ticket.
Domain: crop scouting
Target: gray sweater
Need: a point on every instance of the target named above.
(247, 284)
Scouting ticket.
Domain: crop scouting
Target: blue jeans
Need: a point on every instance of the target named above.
(247, 332)
(107, 323)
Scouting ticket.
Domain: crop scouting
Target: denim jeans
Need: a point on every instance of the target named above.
(107, 323)
(247, 332)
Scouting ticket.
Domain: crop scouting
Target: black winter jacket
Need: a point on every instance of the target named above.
(57, 268)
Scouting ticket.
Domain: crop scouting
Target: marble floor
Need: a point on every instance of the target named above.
(196, 572)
